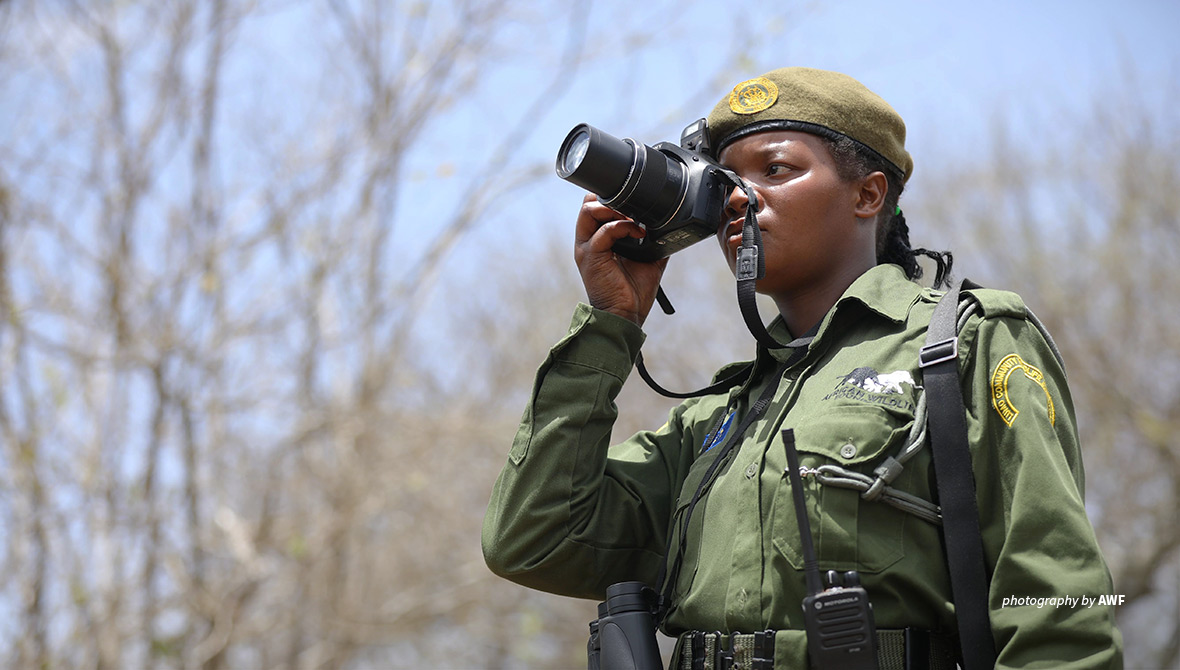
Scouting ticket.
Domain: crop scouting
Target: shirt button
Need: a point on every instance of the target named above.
(848, 450)
(752, 470)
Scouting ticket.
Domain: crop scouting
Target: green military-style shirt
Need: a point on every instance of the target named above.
(571, 514)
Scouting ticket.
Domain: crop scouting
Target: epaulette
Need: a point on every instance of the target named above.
(991, 303)
(998, 303)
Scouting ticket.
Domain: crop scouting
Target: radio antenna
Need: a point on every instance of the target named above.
(810, 562)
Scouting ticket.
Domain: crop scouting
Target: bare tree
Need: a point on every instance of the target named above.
(229, 434)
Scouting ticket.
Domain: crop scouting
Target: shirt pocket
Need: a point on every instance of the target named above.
(848, 533)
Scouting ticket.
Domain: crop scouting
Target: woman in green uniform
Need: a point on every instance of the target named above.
(571, 514)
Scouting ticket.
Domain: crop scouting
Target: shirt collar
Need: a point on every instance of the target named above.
(883, 290)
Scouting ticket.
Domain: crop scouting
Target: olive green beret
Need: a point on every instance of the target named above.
(814, 101)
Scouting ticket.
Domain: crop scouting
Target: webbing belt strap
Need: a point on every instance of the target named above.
(956, 484)
(904, 649)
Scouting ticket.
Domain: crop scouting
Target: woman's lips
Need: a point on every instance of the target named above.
(735, 238)
(733, 232)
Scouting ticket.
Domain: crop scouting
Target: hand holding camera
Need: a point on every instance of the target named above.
(616, 284)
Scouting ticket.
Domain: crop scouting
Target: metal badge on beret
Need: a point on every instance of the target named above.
(753, 96)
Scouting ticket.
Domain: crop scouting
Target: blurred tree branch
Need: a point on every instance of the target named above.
(227, 441)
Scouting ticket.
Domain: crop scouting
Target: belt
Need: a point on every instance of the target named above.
(902, 649)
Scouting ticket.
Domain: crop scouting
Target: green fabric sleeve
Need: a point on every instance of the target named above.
(565, 515)
(1038, 542)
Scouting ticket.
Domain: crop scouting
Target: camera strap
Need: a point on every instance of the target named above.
(723, 384)
(751, 266)
(735, 379)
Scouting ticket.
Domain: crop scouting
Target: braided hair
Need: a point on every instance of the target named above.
(855, 161)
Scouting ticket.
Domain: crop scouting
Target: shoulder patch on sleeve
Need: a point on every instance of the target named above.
(1007, 367)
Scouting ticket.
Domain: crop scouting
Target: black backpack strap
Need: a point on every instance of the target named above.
(956, 483)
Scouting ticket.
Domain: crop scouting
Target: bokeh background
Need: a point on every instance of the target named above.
(275, 276)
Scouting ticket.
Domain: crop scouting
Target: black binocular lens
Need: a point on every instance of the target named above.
(625, 635)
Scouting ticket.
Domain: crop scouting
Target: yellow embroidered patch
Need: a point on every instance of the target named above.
(1004, 407)
(753, 96)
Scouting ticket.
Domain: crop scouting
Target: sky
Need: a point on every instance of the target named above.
(947, 66)
(950, 68)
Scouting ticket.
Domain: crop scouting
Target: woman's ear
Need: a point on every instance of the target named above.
(871, 195)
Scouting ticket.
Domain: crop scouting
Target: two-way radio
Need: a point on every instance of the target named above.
(839, 619)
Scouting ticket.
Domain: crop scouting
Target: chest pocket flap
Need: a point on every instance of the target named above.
(849, 533)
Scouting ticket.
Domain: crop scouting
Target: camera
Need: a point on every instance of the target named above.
(676, 192)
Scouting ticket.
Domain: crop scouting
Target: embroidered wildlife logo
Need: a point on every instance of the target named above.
(868, 385)
(753, 96)
(875, 382)
(1000, 400)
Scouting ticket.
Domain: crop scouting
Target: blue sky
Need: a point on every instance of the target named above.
(950, 68)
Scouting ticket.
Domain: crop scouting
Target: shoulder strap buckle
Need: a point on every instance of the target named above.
(938, 352)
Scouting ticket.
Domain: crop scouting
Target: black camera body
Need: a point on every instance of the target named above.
(676, 192)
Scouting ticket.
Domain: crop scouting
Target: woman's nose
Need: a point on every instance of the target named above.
(735, 206)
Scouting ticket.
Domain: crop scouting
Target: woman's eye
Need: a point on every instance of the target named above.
(777, 169)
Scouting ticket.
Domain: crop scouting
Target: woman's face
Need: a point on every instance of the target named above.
(813, 225)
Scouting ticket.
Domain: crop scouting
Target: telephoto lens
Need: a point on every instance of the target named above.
(627, 176)
(627, 634)
(595, 160)
(677, 194)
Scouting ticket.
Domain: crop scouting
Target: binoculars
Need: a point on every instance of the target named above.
(623, 637)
